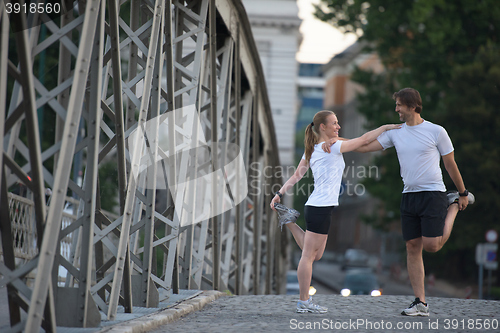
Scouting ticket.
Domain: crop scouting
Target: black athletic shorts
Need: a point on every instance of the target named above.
(423, 214)
(318, 218)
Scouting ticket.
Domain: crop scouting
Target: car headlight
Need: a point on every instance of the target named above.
(345, 292)
(376, 292)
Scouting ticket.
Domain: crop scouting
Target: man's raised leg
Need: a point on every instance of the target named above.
(434, 244)
(453, 210)
(448, 224)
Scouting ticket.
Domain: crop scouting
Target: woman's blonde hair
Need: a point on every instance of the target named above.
(312, 132)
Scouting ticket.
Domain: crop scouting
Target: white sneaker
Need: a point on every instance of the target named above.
(309, 306)
(453, 197)
(417, 308)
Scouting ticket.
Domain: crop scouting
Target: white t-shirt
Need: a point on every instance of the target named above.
(419, 150)
(327, 169)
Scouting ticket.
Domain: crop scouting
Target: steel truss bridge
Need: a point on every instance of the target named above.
(172, 94)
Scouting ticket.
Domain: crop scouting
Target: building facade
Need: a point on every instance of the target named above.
(275, 26)
(311, 84)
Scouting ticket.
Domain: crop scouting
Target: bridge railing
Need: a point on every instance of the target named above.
(172, 95)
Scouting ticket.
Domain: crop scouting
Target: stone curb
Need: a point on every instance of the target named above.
(165, 316)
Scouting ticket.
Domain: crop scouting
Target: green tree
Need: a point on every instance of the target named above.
(449, 51)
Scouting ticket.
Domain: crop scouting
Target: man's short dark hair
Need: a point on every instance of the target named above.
(409, 97)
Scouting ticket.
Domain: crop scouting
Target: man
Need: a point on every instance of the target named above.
(427, 211)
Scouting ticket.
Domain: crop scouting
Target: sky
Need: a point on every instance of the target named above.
(321, 41)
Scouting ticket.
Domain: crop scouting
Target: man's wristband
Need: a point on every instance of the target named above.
(279, 194)
(464, 193)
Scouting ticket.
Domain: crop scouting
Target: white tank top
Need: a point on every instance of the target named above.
(327, 169)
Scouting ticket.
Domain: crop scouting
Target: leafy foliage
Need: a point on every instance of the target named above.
(449, 51)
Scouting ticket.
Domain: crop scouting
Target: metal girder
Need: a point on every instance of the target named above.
(186, 121)
(214, 121)
(4, 51)
(54, 216)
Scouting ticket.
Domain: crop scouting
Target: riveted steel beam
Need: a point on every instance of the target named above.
(186, 121)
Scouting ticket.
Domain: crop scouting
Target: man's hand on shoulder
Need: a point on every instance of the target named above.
(328, 144)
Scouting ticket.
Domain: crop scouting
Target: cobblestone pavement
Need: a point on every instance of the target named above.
(276, 313)
(213, 311)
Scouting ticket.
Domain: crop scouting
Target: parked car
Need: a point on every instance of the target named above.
(361, 282)
(354, 258)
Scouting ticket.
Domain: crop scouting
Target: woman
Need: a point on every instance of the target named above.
(327, 171)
